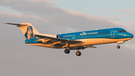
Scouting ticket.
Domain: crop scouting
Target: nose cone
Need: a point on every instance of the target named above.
(130, 35)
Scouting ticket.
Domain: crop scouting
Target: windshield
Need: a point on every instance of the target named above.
(122, 31)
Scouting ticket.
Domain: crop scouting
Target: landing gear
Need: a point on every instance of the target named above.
(67, 51)
(78, 53)
(118, 47)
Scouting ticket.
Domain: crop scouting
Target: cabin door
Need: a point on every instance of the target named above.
(112, 34)
(73, 37)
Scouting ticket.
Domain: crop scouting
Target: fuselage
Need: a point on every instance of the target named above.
(92, 37)
(111, 33)
(75, 40)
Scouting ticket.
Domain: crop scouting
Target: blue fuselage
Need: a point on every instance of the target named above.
(93, 37)
(111, 33)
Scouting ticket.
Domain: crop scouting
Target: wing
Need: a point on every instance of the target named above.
(57, 40)
(62, 43)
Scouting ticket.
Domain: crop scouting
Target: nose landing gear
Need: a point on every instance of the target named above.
(118, 47)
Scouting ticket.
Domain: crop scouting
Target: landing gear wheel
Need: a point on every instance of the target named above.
(118, 47)
(67, 51)
(78, 53)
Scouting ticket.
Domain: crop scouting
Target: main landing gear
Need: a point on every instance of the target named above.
(78, 53)
(67, 51)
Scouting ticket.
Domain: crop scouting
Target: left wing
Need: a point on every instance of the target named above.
(56, 39)
(56, 42)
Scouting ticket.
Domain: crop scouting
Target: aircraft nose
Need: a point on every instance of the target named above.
(130, 35)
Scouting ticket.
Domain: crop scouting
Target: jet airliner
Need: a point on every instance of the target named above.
(75, 40)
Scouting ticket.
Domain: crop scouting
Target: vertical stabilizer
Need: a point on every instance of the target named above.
(27, 29)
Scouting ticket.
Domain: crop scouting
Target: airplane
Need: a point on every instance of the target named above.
(75, 40)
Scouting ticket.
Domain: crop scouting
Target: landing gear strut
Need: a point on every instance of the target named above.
(67, 51)
(78, 53)
(118, 47)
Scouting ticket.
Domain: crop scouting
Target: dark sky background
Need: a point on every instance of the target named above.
(18, 59)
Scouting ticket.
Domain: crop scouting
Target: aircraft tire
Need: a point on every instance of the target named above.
(67, 51)
(78, 53)
(118, 47)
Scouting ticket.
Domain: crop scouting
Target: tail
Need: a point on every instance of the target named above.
(27, 29)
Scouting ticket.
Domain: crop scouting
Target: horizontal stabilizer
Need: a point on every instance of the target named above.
(16, 24)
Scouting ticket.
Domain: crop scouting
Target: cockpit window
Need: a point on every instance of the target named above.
(122, 31)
